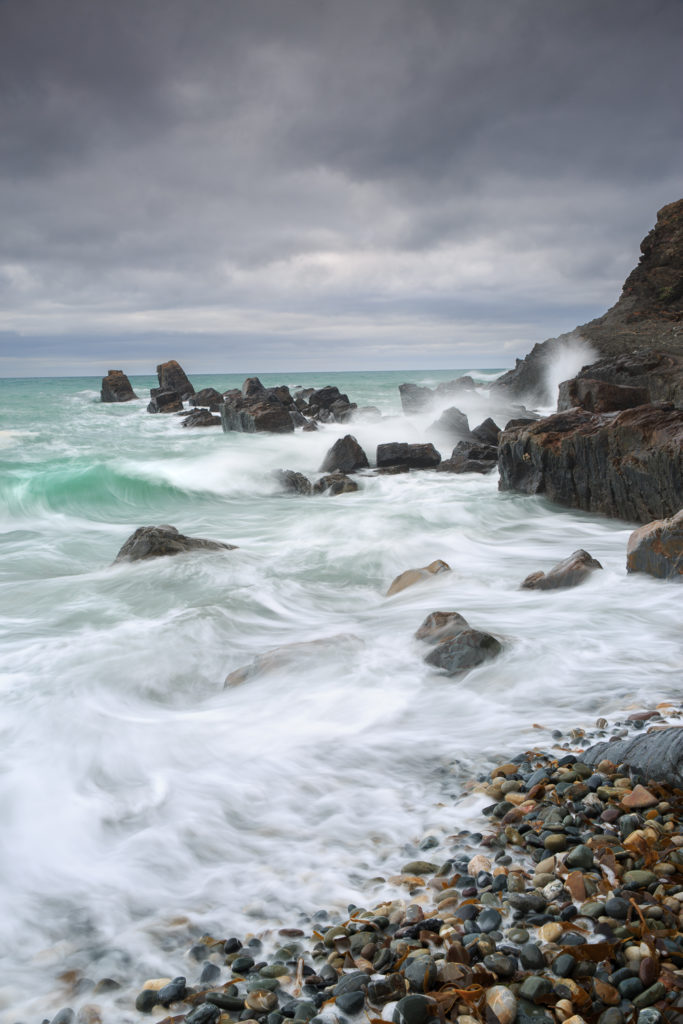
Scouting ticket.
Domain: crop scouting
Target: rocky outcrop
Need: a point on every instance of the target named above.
(158, 541)
(453, 423)
(207, 398)
(164, 401)
(568, 573)
(256, 409)
(293, 482)
(627, 464)
(657, 756)
(201, 418)
(412, 456)
(326, 405)
(487, 432)
(172, 377)
(470, 457)
(116, 387)
(647, 316)
(412, 576)
(345, 456)
(335, 483)
(624, 381)
(657, 549)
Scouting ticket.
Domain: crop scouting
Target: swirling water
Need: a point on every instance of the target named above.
(139, 797)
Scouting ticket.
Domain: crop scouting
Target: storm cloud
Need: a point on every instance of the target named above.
(307, 184)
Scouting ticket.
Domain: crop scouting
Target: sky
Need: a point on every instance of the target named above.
(262, 185)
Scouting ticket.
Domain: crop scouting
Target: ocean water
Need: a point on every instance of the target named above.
(142, 802)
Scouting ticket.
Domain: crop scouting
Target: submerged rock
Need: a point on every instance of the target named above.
(291, 654)
(293, 482)
(201, 418)
(657, 549)
(157, 541)
(345, 456)
(465, 650)
(116, 387)
(413, 456)
(568, 573)
(335, 483)
(439, 626)
(412, 576)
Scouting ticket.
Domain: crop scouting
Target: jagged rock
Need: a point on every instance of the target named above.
(256, 409)
(487, 432)
(346, 456)
(656, 756)
(412, 576)
(599, 396)
(164, 401)
(208, 397)
(657, 549)
(172, 377)
(464, 651)
(568, 573)
(157, 541)
(648, 314)
(335, 483)
(328, 405)
(201, 418)
(625, 381)
(116, 387)
(470, 458)
(440, 626)
(453, 423)
(519, 421)
(414, 456)
(415, 398)
(627, 464)
(294, 483)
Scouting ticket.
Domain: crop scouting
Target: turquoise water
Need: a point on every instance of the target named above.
(136, 790)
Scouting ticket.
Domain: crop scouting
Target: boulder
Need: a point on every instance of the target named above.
(346, 456)
(453, 423)
(414, 456)
(598, 395)
(631, 378)
(259, 413)
(469, 457)
(656, 755)
(201, 418)
(627, 464)
(487, 432)
(116, 387)
(164, 401)
(464, 651)
(207, 397)
(172, 377)
(440, 626)
(415, 398)
(157, 541)
(292, 482)
(412, 576)
(329, 405)
(657, 549)
(335, 483)
(568, 573)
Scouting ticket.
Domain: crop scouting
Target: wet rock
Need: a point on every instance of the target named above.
(568, 573)
(116, 387)
(535, 988)
(174, 992)
(335, 483)
(415, 398)
(351, 1002)
(452, 423)
(292, 482)
(201, 418)
(657, 548)
(159, 541)
(655, 755)
(501, 1005)
(164, 401)
(259, 412)
(420, 973)
(414, 456)
(65, 1016)
(172, 377)
(440, 626)
(470, 457)
(469, 648)
(286, 657)
(413, 1009)
(207, 398)
(345, 456)
(639, 798)
(412, 576)
(599, 396)
(205, 1013)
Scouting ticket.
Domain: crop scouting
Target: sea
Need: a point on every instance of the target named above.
(144, 803)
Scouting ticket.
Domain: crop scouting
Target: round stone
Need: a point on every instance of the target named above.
(580, 857)
(489, 920)
(261, 1000)
(617, 907)
(535, 988)
(555, 843)
(413, 1009)
(351, 1002)
(501, 1002)
(551, 931)
(531, 956)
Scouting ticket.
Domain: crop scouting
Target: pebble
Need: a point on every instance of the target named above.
(550, 932)
(414, 1009)
(502, 1003)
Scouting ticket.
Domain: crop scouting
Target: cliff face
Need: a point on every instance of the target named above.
(648, 315)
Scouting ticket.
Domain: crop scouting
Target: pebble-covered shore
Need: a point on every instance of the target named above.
(567, 907)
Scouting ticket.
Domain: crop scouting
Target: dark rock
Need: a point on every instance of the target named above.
(292, 482)
(487, 432)
(656, 755)
(657, 549)
(65, 1016)
(352, 982)
(598, 395)
(174, 992)
(414, 456)
(146, 1000)
(116, 387)
(210, 974)
(335, 483)
(205, 1013)
(420, 973)
(172, 377)
(470, 457)
(469, 648)
(531, 956)
(201, 418)
(252, 387)
(225, 1001)
(164, 401)
(415, 398)
(627, 464)
(453, 423)
(351, 1002)
(535, 988)
(568, 573)
(155, 541)
(413, 1009)
(345, 456)
(489, 920)
(386, 990)
(258, 415)
(208, 397)
(440, 626)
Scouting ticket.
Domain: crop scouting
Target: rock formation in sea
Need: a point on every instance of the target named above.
(160, 541)
(116, 387)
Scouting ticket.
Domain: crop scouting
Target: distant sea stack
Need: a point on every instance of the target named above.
(116, 387)
(648, 315)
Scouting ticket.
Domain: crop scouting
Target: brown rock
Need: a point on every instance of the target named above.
(116, 387)
(158, 541)
(441, 626)
(172, 377)
(568, 573)
(412, 576)
(575, 884)
(639, 798)
(657, 548)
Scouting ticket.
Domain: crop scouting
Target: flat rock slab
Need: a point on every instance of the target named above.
(157, 541)
(568, 573)
(657, 549)
(657, 755)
